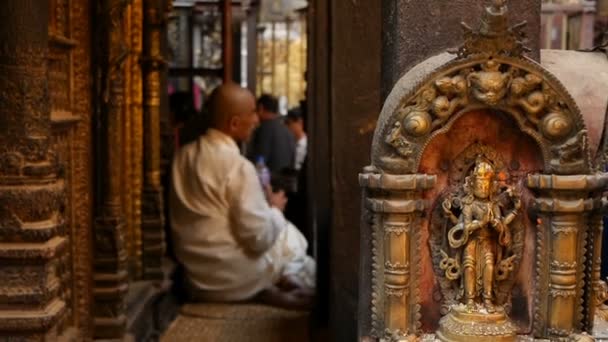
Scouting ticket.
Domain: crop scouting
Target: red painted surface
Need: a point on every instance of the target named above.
(500, 132)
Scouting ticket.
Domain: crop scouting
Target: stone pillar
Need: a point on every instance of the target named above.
(32, 196)
(394, 205)
(566, 237)
(414, 30)
(152, 202)
(110, 255)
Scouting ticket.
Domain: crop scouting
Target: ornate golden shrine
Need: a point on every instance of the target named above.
(483, 201)
(80, 207)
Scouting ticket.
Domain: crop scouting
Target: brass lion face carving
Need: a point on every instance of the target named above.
(489, 85)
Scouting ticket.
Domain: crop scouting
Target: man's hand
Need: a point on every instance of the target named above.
(277, 199)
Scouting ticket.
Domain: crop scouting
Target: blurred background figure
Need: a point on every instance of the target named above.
(295, 124)
(272, 143)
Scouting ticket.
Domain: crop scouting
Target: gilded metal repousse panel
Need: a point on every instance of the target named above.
(69, 88)
(480, 231)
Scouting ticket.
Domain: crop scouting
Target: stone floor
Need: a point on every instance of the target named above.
(238, 322)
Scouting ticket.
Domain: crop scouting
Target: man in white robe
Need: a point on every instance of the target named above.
(232, 240)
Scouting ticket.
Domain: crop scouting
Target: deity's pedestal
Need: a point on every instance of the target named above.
(460, 325)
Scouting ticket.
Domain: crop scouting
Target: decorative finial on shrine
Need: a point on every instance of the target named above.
(494, 36)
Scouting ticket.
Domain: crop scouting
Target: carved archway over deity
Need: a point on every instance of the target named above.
(482, 202)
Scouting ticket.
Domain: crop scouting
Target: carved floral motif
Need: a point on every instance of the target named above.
(513, 86)
(490, 73)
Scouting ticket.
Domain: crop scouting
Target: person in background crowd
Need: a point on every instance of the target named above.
(272, 140)
(230, 235)
(295, 124)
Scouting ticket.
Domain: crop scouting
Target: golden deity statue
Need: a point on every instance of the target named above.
(478, 258)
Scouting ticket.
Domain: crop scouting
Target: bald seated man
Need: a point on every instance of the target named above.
(229, 233)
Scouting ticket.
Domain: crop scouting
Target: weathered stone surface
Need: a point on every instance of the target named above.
(585, 75)
(413, 30)
(355, 104)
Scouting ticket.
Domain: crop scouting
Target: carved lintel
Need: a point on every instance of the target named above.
(395, 206)
(556, 205)
(397, 182)
(571, 183)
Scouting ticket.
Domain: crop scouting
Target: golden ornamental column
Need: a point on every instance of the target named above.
(132, 174)
(595, 288)
(110, 255)
(153, 239)
(568, 244)
(32, 195)
(394, 205)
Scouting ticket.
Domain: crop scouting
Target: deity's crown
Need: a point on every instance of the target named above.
(483, 169)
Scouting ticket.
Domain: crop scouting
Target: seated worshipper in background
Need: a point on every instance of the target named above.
(230, 234)
(272, 140)
(295, 124)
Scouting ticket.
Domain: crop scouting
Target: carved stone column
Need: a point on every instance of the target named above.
(152, 210)
(566, 237)
(110, 255)
(31, 193)
(394, 205)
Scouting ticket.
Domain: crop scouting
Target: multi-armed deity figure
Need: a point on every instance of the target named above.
(480, 237)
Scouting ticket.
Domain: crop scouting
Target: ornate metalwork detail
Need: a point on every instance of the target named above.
(464, 162)
(398, 229)
(110, 255)
(132, 175)
(563, 266)
(490, 74)
(583, 277)
(376, 273)
(516, 86)
(396, 267)
(596, 290)
(395, 292)
(152, 204)
(560, 332)
(416, 270)
(562, 292)
(494, 35)
(395, 335)
(475, 325)
(456, 222)
(81, 166)
(564, 230)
